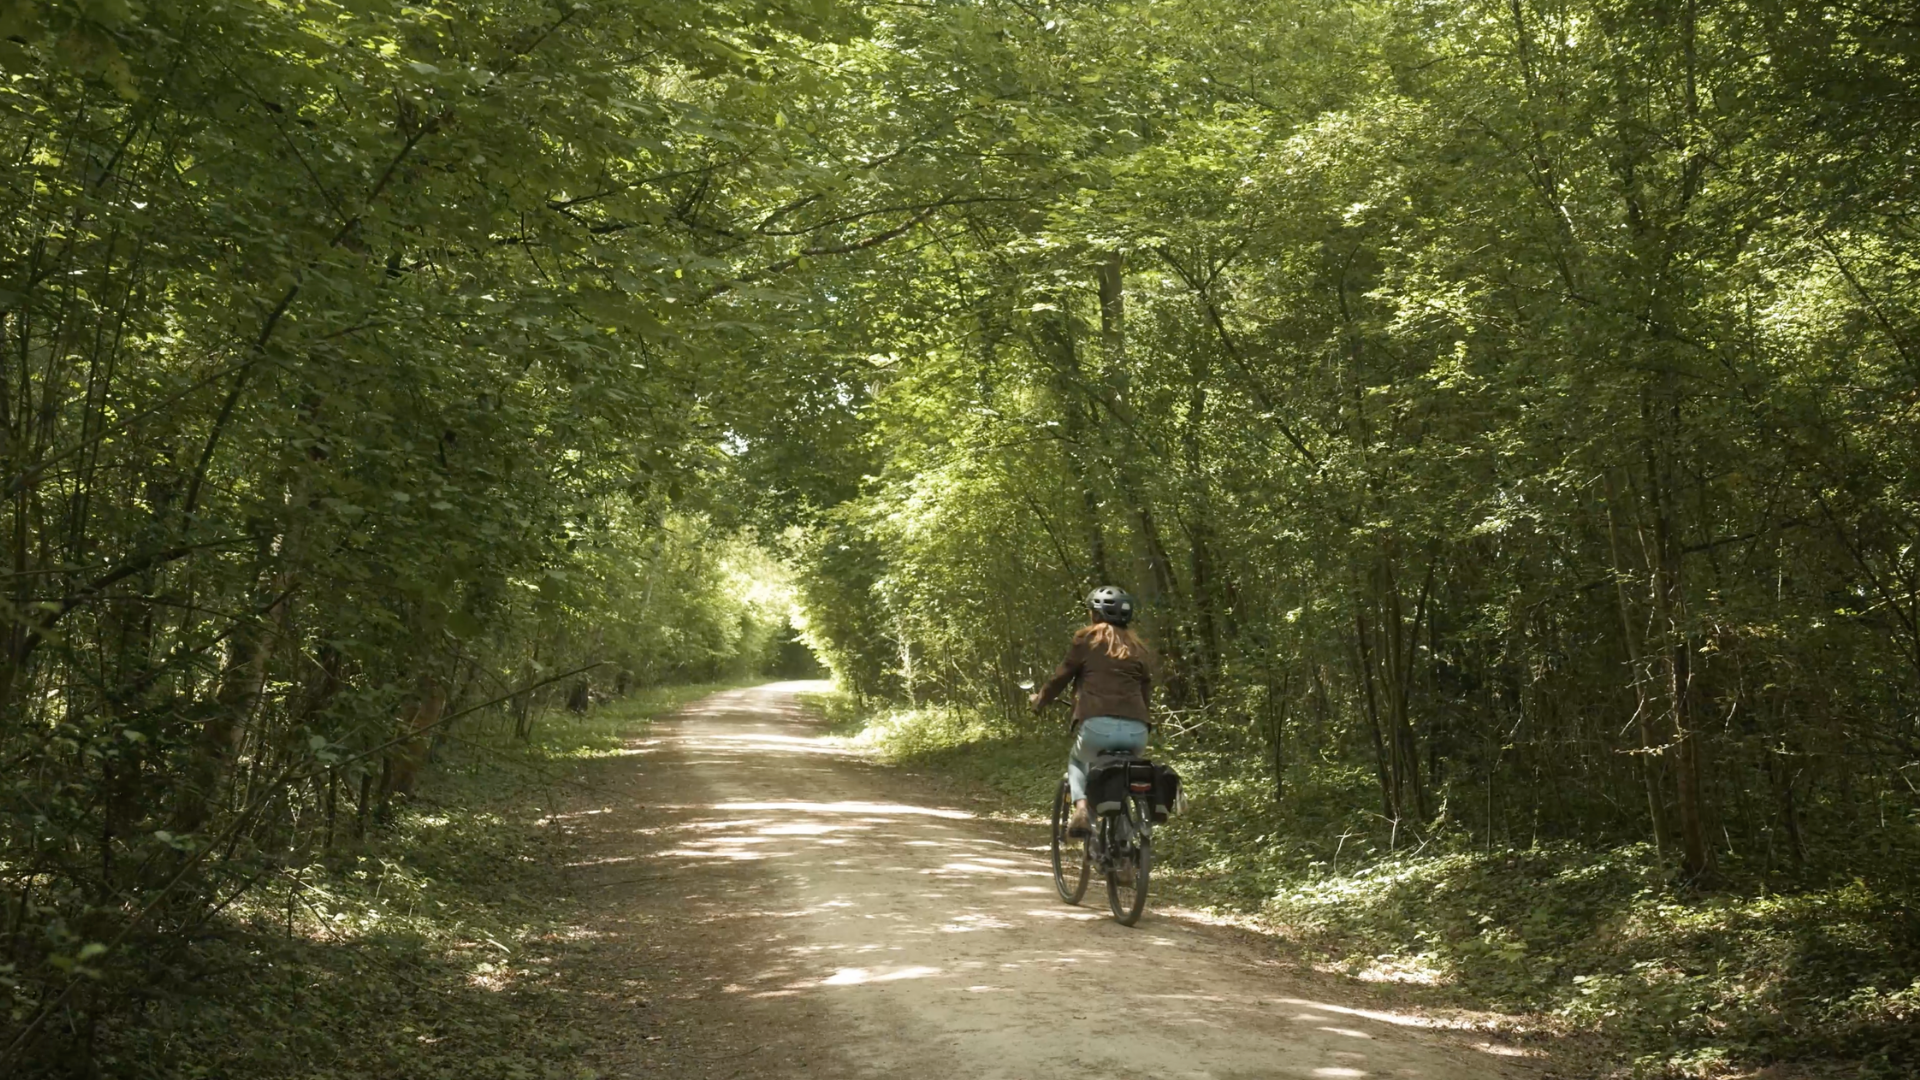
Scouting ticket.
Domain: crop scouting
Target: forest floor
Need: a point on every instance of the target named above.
(757, 901)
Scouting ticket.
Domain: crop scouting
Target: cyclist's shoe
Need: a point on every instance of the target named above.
(1077, 826)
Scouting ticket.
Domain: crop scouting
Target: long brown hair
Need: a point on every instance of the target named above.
(1118, 641)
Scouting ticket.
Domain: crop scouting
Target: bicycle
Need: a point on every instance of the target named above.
(1121, 842)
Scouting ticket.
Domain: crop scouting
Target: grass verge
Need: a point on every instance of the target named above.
(434, 950)
(1559, 937)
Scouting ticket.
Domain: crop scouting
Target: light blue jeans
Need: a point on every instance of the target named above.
(1099, 733)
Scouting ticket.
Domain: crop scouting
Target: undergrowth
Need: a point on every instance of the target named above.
(1679, 982)
(426, 950)
(1012, 768)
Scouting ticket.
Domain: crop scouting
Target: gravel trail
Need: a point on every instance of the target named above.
(763, 903)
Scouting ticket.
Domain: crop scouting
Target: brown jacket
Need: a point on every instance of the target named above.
(1103, 685)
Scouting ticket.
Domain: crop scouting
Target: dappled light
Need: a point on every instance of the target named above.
(859, 976)
(825, 899)
(848, 808)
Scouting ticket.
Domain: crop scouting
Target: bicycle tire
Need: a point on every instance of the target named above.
(1070, 869)
(1128, 900)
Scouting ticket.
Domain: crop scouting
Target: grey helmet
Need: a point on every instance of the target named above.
(1111, 604)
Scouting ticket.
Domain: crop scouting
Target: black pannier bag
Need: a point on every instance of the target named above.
(1166, 792)
(1107, 786)
(1112, 781)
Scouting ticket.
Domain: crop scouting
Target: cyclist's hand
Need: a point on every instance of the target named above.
(1033, 701)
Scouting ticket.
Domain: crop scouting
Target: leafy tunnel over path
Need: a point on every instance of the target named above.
(1503, 410)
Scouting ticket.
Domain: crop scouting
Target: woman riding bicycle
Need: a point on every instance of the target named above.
(1111, 670)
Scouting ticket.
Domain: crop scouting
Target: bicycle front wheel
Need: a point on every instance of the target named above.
(1132, 861)
(1070, 868)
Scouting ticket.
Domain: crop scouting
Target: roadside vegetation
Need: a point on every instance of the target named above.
(436, 948)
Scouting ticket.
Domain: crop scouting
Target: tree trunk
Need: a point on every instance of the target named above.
(1185, 685)
(1399, 681)
(242, 682)
(1277, 701)
(1650, 752)
(406, 762)
(1056, 341)
(1381, 762)
(1199, 528)
(523, 701)
(1696, 856)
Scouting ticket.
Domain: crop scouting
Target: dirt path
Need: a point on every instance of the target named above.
(763, 904)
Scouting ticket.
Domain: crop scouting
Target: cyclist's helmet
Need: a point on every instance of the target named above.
(1111, 604)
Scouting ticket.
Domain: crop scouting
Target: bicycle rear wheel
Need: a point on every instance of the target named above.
(1132, 861)
(1070, 870)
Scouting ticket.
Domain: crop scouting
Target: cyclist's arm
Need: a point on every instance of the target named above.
(1068, 671)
